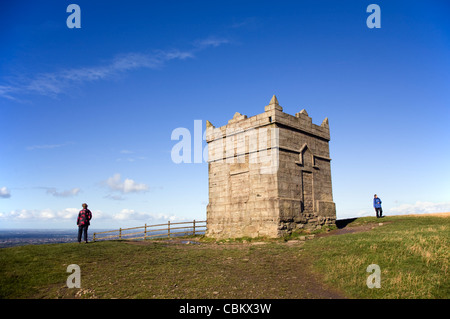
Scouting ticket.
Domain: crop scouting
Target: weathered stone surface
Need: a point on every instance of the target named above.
(269, 174)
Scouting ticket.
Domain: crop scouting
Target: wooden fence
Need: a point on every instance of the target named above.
(154, 231)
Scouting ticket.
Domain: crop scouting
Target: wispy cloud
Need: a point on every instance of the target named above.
(114, 197)
(210, 42)
(52, 84)
(45, 146)
(251, 23)
(7, 90)
(129, 156)
(131, 159)
(126, 152)
(55, 83)
(66, 193)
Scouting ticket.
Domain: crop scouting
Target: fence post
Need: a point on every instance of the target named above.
(120, 233)
(168, 229)
(145, 232)
(93, 239)
(194, 228)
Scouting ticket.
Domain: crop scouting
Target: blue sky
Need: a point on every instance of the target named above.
(86, 115)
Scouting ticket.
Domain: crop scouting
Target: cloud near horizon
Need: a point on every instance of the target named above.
(410, 209)
(44, 214)
(420, 208)
(131, 215)
(124, 215)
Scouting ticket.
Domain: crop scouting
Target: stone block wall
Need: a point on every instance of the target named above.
(269, 174)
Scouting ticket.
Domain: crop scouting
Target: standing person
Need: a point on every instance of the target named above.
(377, 206)
(84, 216)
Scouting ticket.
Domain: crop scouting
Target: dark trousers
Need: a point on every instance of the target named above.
(379, 211)
(81, 230)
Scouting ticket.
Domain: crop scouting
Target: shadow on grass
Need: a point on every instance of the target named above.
(342, 223)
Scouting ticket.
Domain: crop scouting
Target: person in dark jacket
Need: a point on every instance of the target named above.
(377, 206)
(83, 222)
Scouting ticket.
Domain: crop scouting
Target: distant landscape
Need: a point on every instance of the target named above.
(19, 237)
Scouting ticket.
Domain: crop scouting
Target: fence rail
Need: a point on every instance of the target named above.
(195, 228)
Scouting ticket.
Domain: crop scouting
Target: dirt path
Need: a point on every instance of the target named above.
(272, 269)
(260, 270)
(351, 229)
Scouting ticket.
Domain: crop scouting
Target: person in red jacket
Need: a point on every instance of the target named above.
(83, 222)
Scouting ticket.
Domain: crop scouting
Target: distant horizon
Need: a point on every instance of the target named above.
(92, 229)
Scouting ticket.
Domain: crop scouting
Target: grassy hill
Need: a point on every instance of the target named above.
(412, 252)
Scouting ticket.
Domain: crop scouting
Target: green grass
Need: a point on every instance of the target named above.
(116, 269)
(412, 252)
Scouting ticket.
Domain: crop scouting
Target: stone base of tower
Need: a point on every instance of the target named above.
(291, 220)
(253, 219)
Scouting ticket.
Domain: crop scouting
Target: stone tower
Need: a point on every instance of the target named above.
(269, 174)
